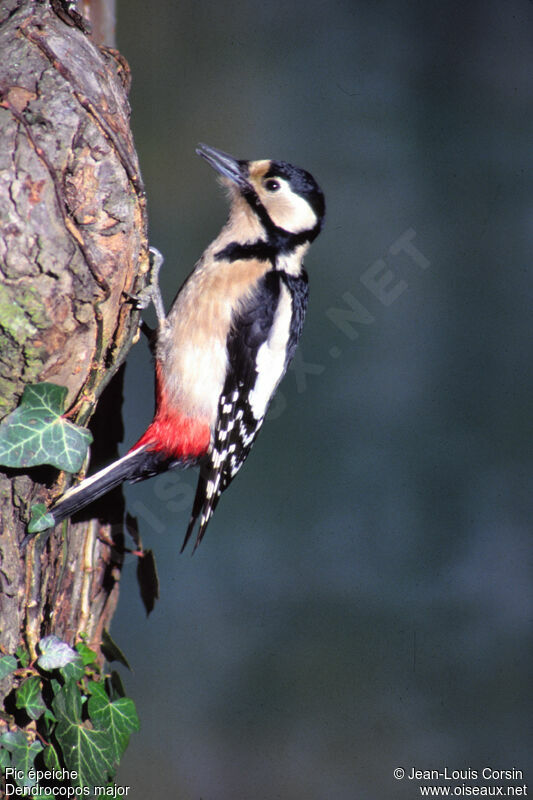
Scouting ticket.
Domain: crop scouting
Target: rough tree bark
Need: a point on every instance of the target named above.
(72, 241)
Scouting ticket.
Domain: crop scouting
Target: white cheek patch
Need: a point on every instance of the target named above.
(288, 210)
(271, 357)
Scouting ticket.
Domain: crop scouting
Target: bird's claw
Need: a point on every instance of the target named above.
(152, 292)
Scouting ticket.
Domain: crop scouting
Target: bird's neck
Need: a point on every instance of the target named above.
(245, 237)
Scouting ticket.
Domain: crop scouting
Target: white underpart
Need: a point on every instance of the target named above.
(271, 356)
(198, 397)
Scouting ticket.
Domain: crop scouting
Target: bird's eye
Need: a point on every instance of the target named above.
(272, 185)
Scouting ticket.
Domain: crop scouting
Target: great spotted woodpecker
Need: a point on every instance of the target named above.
(228, 338)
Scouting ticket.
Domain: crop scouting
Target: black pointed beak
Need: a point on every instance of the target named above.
(226, 165)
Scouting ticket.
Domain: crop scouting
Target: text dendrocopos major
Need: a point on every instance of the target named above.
(228, 338)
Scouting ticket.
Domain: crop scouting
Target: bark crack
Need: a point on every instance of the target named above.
(61, 202)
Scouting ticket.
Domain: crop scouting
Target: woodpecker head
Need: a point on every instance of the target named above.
(286, 199)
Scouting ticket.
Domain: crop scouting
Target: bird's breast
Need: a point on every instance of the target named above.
(192, 349)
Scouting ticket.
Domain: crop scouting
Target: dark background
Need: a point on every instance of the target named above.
(362, 600)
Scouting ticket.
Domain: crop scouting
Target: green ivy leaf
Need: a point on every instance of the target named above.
(112, 651)
(36, 433)
(67, 703)
(55, 653)
(23, 754)
(115, 686)
(88, 656)
(29, 697)
(49, 718)
(132, 526)
(148, 580)
(8, 664)
(88, 751)
(23, 656)
(118, 718)
(51, 759)
(5, 758)
(40, 520)
(74, 670)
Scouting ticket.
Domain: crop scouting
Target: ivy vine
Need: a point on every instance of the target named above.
(67, 722)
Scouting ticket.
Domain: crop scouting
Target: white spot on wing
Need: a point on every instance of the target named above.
(271, 356)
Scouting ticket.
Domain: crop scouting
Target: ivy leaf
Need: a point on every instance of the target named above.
(88, 656)
(55, 653)
(115, 686)
(50, 757)
(112, 651)
(74, 670)
(23, 754)
(5, 758)
(40, 520)
(29, 697)
(87, 751)
(132, 526)
(67, 703)
(148, 580)
(118, 718)
(36, 433)
(49, 718)
(23, 656)
(8, 664)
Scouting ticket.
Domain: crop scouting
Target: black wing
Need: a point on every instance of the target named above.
(239, 420)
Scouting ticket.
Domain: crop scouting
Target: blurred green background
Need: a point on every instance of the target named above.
(362, 600)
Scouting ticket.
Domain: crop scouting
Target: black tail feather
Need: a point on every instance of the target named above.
(196, 508)
(134, 466)
(207, 495)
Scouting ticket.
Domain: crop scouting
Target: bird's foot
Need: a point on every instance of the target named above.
(152, 292)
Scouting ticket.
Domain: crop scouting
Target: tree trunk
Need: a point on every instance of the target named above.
(72, 242)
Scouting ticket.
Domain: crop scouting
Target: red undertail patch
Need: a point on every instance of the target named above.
(173, 434)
